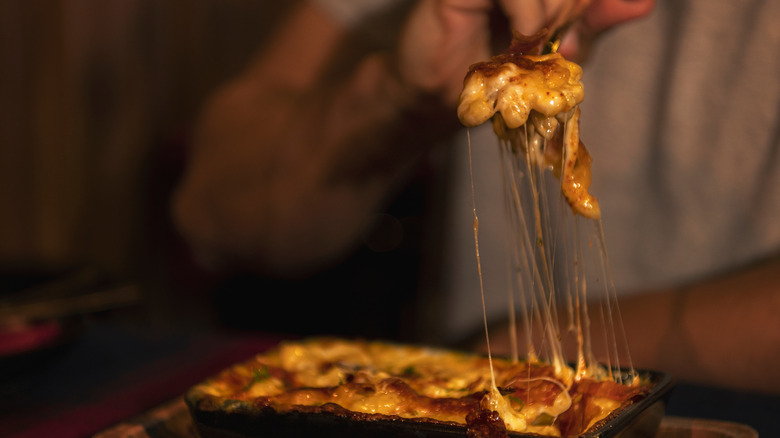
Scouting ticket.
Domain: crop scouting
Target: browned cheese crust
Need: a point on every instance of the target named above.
(514, 89)
(381, 380)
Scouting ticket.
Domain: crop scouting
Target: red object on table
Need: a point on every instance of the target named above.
(139, 390)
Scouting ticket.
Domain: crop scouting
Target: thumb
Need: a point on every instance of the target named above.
(526, 17)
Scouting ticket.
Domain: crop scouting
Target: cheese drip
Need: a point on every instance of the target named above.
(544, 90)
(533, 104)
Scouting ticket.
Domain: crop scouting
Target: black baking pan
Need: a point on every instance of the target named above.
(232, 419)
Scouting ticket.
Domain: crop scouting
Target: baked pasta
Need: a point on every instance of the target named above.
(373, 380)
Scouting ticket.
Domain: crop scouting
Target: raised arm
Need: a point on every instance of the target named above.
(292, 156)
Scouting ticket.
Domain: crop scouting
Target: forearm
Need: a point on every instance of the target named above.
(292, 156)
(724, 332)
(279, 147)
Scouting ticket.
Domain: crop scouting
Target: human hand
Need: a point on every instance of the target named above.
(444, 37)
(598, 17)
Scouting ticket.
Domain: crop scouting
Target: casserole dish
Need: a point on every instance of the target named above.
(219, 411)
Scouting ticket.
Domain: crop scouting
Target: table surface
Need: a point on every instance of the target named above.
(172, 420)
(110, 374)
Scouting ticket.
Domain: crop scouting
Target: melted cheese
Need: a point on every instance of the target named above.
(548, 84)
(417, 382)
(397, 380)
(547, 89)
(533, 104)
(514, 419)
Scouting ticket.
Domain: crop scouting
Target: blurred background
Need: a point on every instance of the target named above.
(98, 102)
(97, 293)
(97, 99)
(103, 312)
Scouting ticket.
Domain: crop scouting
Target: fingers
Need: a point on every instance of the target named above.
(525, 16)
(443, 37)
(467, 5)
(604, 14)
(564, 12)
(440, 40)
(529, 16)
(598, 17)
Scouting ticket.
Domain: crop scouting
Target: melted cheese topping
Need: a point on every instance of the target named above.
(400, 380)
(548, 84)
(513, 89)
(533, 103)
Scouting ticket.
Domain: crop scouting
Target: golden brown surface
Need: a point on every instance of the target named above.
(418, 382)
(515, 88)
(514, 85)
